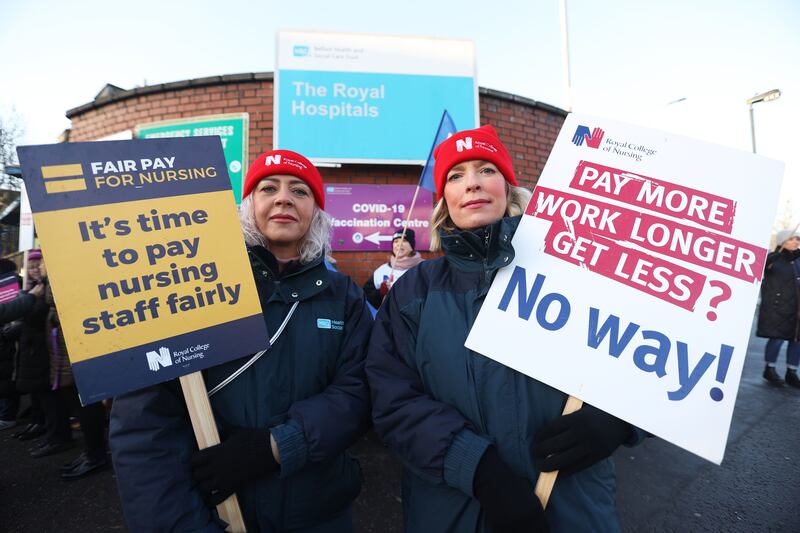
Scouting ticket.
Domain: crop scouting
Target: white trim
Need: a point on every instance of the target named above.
(332, 160)
(257, 356)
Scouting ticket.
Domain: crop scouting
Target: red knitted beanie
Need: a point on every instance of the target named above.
(482, 143)
(285, 162)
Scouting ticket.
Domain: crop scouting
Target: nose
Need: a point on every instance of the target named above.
(284, 197)
(472, 180)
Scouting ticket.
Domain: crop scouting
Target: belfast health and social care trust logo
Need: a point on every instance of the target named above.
(592, 140)
(161, 358)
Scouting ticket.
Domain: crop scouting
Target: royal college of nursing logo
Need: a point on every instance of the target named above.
(592, 140)
(161, 358)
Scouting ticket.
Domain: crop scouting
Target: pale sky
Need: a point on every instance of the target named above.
(629, 59)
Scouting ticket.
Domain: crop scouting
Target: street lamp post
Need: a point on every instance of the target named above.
(562, 5)
(768, 96)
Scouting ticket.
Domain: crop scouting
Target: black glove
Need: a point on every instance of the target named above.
(508, 500)
(578, 440)
(220, 470)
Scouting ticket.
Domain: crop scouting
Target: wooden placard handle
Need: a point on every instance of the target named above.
(205, 430)
(546, 481)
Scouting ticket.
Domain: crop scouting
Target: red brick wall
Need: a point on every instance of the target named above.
(527, 130)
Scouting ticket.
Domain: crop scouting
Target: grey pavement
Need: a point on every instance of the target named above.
(757, 488)
(661, 488)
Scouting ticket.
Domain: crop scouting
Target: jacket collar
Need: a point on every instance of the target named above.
(488, 247)
(791, 255)
(298, 281)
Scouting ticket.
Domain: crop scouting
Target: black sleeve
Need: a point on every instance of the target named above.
(11, 331)
(16, 308)
(771, 258)
(372, 293)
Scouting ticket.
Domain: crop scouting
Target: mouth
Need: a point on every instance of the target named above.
(282, 218)
(474, 204)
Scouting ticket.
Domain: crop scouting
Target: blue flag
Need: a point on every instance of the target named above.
(446, 129)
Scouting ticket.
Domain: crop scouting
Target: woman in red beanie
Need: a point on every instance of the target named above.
(473, 434)
(286, 419)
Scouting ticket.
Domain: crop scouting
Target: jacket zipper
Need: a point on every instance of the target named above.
(471, 365)
(486, 240)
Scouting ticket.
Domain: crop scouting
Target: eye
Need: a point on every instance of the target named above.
(488, 170)
(300, 192)
(453, 177)
(269, 188)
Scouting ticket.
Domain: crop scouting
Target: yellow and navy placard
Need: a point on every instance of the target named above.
(146, 259)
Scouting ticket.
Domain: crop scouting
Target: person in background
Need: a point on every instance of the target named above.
(32, 371)
(64, 401)
(779, 313)
(404, 256)
(473, 434)
(55, 400)
(9, 397)
(288, 419)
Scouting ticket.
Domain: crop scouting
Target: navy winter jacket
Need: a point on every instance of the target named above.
(9, 334)
(309, 389)
(779, 314)
(33, 359)
(16, 308)
(439, 405)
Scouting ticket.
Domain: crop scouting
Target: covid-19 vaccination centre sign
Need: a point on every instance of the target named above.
(637, 270)
(366, 217)
(349, 98)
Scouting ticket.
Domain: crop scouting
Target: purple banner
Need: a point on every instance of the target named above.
(9, 288)
(366, 216)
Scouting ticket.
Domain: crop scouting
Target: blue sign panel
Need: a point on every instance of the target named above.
(345, 98)
(340, 116)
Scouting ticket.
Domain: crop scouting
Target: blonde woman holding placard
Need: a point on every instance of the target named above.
(473, 434)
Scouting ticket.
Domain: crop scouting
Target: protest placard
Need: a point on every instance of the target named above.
(9, 287)
(146, 259)
(636, 274)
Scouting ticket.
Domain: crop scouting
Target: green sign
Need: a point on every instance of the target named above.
(232, 130)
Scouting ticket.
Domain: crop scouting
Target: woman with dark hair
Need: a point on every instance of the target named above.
(473, 434)
(404, 257)
(286, 419)
(779, 314)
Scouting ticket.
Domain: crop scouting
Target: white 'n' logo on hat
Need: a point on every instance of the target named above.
(463, 144)
(272, 160)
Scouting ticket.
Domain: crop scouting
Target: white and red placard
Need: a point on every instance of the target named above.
(636, 275)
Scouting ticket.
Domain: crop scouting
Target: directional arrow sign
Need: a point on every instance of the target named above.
(365, 216)
(376, 237)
